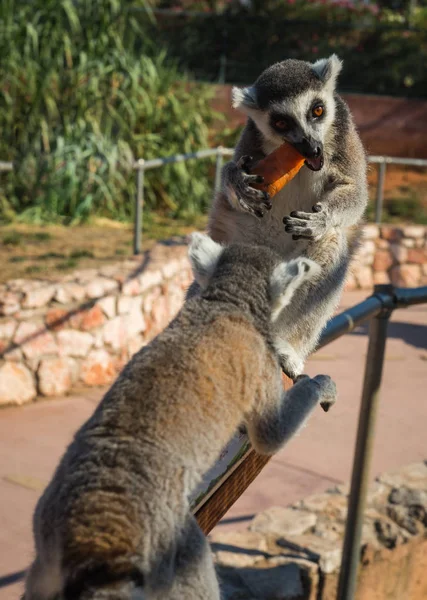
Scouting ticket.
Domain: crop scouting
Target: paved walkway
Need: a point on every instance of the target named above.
(33, 437)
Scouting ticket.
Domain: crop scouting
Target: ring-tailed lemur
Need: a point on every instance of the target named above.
(114, 522)
(317, 214)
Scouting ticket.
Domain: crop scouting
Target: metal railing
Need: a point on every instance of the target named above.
(141, 165)
(379, 308)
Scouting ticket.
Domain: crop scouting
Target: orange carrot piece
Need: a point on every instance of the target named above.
(278, 168)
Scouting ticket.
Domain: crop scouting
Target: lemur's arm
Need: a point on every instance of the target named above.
(274, 422)
(345, 199)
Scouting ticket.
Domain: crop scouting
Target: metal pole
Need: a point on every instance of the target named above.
(380, 192)
(363, 451)
(218, 168)
(139, 205)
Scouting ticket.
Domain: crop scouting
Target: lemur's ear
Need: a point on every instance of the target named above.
(328, 69)
(286, 278)
(244, 98)
(204, 254)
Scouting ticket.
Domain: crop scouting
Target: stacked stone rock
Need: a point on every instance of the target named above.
(295, 552)
(84, 327)
(388, 254)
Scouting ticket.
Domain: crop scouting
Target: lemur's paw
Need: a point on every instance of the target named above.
(291, 367)
(328, 391)
(307, 226)
(250, 200)
(300, 377)
(242, 429)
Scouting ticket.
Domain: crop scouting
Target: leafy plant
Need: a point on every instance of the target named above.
(83, 93)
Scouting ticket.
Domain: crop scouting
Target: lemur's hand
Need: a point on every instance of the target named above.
(307, 226)
(238, 180)
(328, 391)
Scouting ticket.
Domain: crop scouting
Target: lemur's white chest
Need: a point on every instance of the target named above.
(301, 193)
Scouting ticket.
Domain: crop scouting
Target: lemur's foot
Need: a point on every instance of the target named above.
(307, 226)
(328, 391)
(250, 200)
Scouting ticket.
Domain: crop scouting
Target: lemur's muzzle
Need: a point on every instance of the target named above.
(312, 150)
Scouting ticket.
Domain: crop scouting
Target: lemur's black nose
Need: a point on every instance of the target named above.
(309, 148)
(313, 148)
(317, 151)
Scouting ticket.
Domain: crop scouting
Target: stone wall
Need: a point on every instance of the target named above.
(83, 328)
(295, 552)
(388, 254)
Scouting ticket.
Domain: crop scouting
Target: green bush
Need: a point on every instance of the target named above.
(404, 209)
(84, 91)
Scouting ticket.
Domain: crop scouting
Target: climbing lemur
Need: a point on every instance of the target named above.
(115, 523)
(319, 213)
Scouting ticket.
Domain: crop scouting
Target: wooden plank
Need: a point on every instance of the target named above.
(232, 486)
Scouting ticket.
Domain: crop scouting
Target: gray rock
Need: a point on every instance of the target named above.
(283, 521)
(333, 506)
(413, 476)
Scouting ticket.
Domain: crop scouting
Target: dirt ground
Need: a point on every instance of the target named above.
(35, 251)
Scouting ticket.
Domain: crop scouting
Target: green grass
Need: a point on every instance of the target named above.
(41, 236)
(12, 238)
(49, 255)
(17, 259)
(31, 269)
(15, 238)
(81, 254)
(70, 263)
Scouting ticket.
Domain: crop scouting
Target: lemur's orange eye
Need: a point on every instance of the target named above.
(318, 111)
(281, 124)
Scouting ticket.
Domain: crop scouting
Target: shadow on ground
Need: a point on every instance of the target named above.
(410, 333)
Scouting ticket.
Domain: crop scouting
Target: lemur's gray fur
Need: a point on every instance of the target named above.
(114, 523)
(317, 214)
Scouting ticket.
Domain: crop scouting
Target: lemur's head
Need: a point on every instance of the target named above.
(282, 278)
(293, 101)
